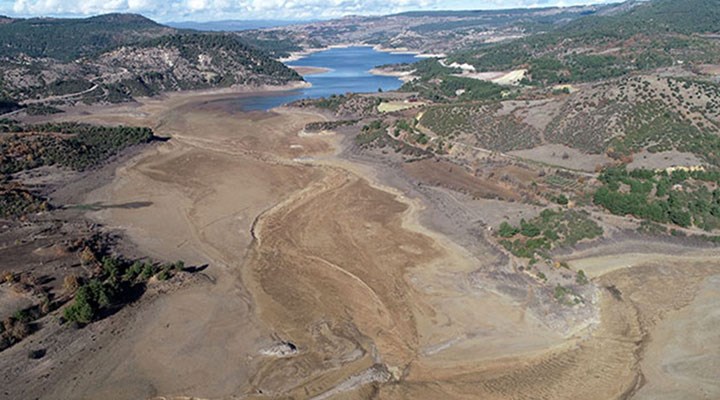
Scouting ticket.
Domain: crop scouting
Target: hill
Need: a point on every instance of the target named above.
(69, 39)
(643, 36)
(187, 61)
(619, 118)
(114, 57)
(634, 83)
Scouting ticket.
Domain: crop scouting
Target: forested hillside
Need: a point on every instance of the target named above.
(69, 39)
(649, 35)
(115, 57)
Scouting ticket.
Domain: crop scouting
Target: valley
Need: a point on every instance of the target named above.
(414, 304)
(322, 229)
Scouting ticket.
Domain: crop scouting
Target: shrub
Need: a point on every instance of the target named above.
(87, 256)
(36, 354)
(506, 230)
(163, 275)
(148, 271)
(528, 229)
(133, 271)
(179, 266)
(581, 278)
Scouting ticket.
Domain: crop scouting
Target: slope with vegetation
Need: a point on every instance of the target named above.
(551, 229)
(117, 57)
(70, 145)
(69, 39)
(65, 145)
(83, 280)
(650, 35)
(680, 197)
(619, 118)
(634, 83)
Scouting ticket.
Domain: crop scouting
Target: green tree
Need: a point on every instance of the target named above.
(528, 229)
(83, 308)
(506, 230)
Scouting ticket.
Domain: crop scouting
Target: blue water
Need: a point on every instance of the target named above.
(349, 73)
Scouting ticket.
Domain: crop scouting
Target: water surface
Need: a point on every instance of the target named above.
(349, 72)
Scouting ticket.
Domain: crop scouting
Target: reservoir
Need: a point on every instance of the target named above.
(349, 72)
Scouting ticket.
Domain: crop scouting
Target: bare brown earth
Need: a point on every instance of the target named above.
(323, 283)
(451, 176)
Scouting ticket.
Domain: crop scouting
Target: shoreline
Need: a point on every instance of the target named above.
(86, 112)
(244, 89)
(404, 76)
(309, 70)
(298, 55)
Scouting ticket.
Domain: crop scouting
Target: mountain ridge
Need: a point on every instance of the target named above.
(123, 56)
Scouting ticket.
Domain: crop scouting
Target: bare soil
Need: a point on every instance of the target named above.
(373, 276)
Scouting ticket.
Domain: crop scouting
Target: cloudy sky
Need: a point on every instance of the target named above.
(205, 10)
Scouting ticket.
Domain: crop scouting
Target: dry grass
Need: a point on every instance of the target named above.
(393, 106)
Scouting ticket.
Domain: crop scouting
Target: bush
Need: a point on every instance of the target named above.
(507, 231)
(581, 278)
(528, 229)
(36, 354)
(70, 283)
(163, 275)
(179, 266)
(133, 271)
(148, 271)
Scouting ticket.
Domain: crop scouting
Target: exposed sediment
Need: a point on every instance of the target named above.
(385, 288)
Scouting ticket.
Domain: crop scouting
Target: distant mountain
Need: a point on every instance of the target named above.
(115, 57)
(428, 31)
(233, 25)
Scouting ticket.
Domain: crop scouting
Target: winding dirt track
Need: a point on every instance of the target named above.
(321, 255)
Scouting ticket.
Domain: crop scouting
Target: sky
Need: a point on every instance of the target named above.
(209, 10)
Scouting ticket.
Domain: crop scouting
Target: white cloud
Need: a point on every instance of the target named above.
(255, 9)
